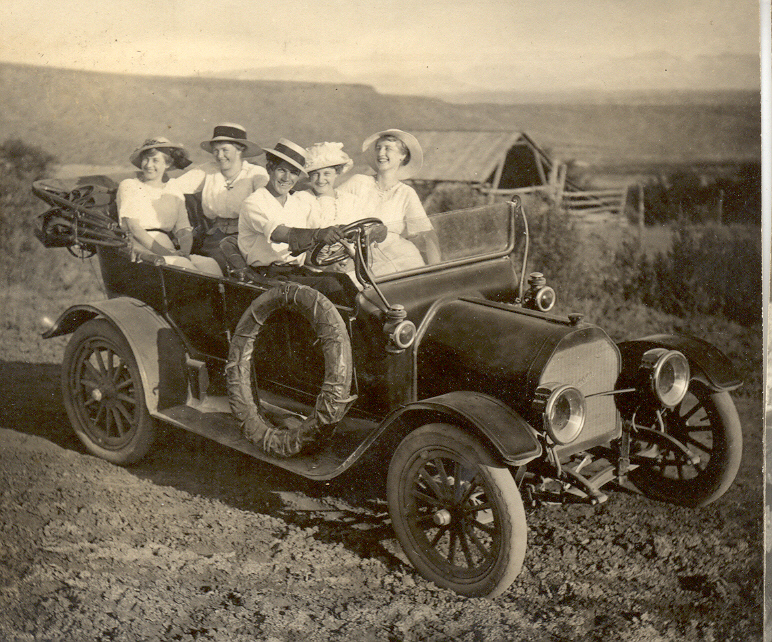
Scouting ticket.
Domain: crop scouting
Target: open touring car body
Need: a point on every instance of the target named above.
(520, 401)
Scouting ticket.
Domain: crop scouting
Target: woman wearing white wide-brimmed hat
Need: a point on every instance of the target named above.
(325, 163)
(153, 210)
(224, 183)
(395, 155)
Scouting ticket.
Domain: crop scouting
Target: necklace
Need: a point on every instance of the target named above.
(230, 181)
(383, 191)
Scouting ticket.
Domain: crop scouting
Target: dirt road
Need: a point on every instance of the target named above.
(198, 542)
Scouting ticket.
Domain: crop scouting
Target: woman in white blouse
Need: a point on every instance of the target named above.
(153, 209)
(325, 162)
(395, 155)
(224, 183)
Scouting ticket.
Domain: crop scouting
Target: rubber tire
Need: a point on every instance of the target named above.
(88, 415)
(712, 478)
(426, 445)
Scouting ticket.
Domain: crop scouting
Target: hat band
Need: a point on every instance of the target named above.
(291, 153)
(229, 132)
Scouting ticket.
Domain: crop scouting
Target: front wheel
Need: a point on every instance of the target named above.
(707, 423)
(103, 394)
(457, 512)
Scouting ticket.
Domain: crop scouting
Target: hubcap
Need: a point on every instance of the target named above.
(442, 517)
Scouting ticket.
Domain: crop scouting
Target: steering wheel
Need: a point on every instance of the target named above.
(323, 255)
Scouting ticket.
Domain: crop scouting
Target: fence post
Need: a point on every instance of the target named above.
(721, 206)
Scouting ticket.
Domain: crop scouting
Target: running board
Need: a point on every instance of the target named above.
(211, 418)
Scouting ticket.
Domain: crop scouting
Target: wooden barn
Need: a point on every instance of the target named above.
(502, 163)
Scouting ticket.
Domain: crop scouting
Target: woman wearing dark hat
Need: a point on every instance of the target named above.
(276, 226)
(224, 183)
(153, 209)
(395, 155)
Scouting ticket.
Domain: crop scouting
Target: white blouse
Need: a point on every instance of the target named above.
(221, 197)
(261, 214)
(154, 208)
(398, 207)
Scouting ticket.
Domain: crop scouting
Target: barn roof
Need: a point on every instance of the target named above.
(466, 156)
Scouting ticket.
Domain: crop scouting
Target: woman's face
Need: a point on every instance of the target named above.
(282, 178)
(388, 155)
(323, 181)
(227, 156)
(153, 165)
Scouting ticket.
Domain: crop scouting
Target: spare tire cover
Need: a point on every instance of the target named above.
(334, 398)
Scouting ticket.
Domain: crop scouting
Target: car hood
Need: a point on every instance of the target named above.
(507, 351)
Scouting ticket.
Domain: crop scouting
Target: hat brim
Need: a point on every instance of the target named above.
(284, 157)
(178, 163)
(416, 161)
(252, 149)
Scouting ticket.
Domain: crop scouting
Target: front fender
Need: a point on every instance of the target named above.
(707, 363)
(510, 435)
(158, 350)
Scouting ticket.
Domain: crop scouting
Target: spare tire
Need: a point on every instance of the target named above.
(334, 399)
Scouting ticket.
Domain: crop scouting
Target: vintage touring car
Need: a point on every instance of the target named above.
(481, 398)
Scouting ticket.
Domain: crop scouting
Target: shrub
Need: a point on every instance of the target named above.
(712, 269)
(20, 165)
(691, 197)
(554, 250)
(25, 162)
(445, 198)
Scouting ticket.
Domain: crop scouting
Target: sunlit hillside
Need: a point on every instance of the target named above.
(98, 118)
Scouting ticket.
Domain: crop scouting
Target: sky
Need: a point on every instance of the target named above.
(481, 42)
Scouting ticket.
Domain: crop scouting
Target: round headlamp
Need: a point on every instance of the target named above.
(545, 298)
(563, 411)
(668, 374)
(403, 334)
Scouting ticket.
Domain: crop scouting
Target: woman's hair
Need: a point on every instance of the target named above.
(272, 162)
(171, 155)
(240, 146)
(400, 143)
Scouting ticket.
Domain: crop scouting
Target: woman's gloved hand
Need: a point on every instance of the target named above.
(327, 235)
(302, 239)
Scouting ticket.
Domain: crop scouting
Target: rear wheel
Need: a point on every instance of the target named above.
(457, 512)
(706, 422)
(103, 394)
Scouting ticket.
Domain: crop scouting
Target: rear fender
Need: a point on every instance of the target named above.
(509, 434)
(706, 362)
(157, 348)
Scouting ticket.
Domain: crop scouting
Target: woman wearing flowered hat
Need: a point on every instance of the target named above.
(224, 183)
(395, 155)
(154, 211)
(325, 163)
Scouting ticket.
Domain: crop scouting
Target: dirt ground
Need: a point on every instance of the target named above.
(198, 542)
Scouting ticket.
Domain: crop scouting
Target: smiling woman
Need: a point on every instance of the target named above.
(224, 183)
(395, 155)
(153, 210)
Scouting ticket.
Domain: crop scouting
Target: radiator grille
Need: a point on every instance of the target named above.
(592, 367)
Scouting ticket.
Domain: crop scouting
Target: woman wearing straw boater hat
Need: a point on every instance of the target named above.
(395, 155)
(224, 183)
(153, 210)
(277, 226)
